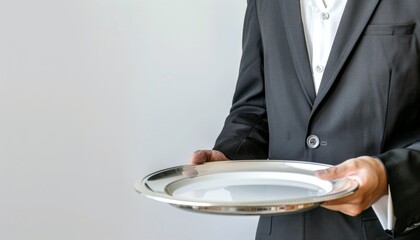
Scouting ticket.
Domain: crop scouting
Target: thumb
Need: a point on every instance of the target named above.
(332, 173)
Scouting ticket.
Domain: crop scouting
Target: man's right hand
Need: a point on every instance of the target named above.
(202, 156)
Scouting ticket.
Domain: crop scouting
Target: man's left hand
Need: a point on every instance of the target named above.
(369, 172)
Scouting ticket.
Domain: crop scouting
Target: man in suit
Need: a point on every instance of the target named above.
(335, 82)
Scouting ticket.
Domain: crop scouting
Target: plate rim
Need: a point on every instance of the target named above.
(248, 207)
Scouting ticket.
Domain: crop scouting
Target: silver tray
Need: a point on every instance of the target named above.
(244, 187)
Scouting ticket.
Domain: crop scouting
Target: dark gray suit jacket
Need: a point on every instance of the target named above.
(368, 104)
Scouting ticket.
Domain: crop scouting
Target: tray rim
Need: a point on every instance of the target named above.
(249, 207)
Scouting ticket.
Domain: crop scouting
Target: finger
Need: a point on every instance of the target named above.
(199, 157)
(351, 199)
(348, 209)
(217, 156)
(202, 156)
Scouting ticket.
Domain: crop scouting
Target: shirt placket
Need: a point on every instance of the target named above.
(321, 41)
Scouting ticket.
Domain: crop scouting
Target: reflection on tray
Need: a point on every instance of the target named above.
(248, 187)
(247, 193)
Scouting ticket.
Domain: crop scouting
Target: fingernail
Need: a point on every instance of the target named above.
(320, 172)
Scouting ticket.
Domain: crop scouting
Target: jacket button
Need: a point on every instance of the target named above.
(312, 141)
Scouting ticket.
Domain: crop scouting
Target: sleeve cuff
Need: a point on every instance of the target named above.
(384, 210)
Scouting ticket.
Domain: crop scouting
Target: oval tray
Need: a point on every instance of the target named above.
(245, 187)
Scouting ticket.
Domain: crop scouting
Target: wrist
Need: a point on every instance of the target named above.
(382, 176)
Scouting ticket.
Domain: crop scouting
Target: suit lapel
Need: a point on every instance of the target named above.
(355, 17)
(296, 37)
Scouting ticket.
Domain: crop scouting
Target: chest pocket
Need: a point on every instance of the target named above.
(401, 29)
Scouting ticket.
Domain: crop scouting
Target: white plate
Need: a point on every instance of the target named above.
(244, 187)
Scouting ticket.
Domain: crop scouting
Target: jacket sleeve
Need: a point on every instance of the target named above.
(403, 170)
(245, 133)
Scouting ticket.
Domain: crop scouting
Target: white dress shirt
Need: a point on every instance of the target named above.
(321, 19)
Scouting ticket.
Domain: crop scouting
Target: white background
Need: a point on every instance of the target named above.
(95, 94)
